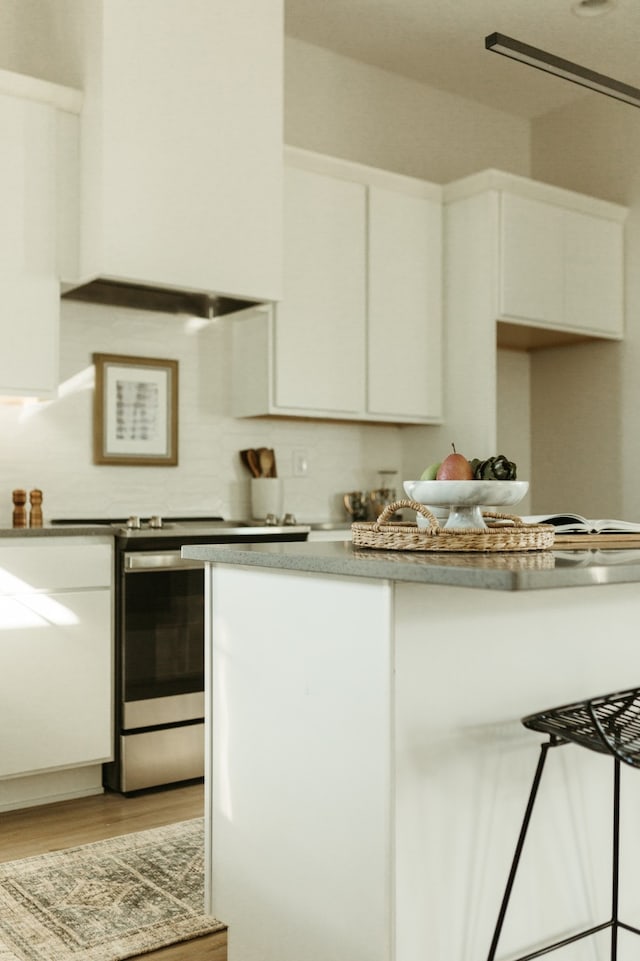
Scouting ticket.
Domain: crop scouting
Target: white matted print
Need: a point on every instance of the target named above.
(135, 410)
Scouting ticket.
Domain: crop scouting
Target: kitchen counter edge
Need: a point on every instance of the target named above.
(504, 572)
(58, 531)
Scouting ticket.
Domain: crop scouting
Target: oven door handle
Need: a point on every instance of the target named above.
(136, 562)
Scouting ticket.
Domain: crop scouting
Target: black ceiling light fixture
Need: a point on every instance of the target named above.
(592, 8)
(516, 50)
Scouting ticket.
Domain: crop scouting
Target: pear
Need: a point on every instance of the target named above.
(455, 467)
(430, 472)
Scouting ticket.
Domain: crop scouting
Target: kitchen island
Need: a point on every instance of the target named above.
(367, 768)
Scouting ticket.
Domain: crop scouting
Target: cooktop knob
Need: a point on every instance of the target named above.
(133, 522)
(155, 522)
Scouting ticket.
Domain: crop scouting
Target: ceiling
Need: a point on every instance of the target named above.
(441, 43)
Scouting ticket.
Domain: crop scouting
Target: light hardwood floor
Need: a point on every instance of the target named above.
(51, 827)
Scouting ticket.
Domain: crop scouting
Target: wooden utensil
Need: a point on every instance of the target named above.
(254, 464)
(266, 460)
(250, 461)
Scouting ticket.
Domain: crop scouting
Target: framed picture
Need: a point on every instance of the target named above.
(135, 414)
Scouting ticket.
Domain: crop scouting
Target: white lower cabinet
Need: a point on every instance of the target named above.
(358, 333)
(56, 653)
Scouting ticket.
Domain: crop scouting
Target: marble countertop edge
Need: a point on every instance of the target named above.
(511, 571)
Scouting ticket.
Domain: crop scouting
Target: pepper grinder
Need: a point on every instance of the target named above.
(19, 509)
(35, 514)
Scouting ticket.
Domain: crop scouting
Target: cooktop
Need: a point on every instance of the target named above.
(156, 526)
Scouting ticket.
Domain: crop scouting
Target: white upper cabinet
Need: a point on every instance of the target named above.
(405, 305)
(557, 257)
(527, 265)
(594, 273)
(561, 267)
(29, 336)
(320, 325)
(357, 335)
(532, 268)
(182, 145)
(38, 157)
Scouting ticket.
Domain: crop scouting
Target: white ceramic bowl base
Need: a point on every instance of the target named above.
(441, 514)
(465, 499)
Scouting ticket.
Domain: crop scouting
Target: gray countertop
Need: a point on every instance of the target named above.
(83, 529)
(58, 531)
(499, 571)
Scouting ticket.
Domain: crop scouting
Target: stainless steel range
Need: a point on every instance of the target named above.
(159, 644)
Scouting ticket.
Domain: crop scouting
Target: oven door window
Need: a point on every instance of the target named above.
(163, 622)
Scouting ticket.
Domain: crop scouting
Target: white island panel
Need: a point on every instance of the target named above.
(297, 787)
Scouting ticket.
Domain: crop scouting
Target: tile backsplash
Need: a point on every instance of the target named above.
(49, 444)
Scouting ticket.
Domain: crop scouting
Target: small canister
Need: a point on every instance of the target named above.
(35, 514)
(19, 508)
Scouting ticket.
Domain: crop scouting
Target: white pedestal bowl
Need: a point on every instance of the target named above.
(465, 500)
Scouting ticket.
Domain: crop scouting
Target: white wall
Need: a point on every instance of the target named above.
(49, 445)
(577, 429)
(340, 106)
(336, 106)
(37, 38)
(514, 417)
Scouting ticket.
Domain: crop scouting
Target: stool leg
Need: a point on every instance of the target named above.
(615, 860)
(516, 857)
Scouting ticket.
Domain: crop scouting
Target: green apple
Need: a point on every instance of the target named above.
(429, 473)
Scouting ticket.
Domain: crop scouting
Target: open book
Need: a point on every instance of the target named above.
(576, 524)
(590, 557)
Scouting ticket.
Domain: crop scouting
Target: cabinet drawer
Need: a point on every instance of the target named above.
(44, 563)
(56, 664)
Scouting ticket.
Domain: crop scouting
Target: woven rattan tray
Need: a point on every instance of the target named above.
(507, 533)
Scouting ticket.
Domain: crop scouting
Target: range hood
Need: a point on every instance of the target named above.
(160, 299)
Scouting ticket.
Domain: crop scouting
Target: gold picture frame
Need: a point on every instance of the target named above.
(135, 411)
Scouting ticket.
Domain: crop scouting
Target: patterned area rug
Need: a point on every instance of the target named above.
(106, 901)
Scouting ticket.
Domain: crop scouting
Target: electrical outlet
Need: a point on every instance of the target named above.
(300, 463)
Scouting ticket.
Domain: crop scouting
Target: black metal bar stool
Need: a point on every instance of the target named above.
(609, 724)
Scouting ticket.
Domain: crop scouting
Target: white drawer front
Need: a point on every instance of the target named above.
(53, 564)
